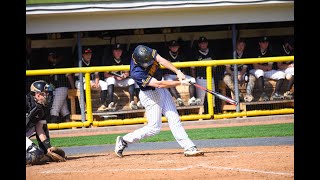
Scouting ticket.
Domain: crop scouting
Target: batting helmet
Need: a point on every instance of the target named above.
(40, 86)
(144, 56)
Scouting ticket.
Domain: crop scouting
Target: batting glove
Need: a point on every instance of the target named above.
(185, 82)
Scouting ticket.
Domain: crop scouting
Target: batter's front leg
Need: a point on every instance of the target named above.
(171, 113)
(153, 114)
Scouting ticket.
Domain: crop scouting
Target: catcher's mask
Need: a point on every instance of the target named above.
(143, 56)
(44, 89)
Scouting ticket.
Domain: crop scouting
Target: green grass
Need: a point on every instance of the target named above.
(273, 130)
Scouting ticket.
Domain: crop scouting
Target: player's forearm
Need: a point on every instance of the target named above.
(164, 84)
(167, 64)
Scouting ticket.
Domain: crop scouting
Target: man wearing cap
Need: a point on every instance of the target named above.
(119, 58)
(175, 55)
(265, 70)
(287, 49)
(61, 82)
(203, 53)
(95, 81)
(244, 77)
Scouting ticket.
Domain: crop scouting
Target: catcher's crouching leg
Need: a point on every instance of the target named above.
(34, 155)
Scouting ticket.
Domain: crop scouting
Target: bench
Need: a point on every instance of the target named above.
(244, 106)
(121, 98)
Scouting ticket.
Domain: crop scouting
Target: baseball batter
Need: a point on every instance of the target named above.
(156, 99)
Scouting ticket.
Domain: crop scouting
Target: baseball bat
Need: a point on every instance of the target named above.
(115, 74)
(220, 96)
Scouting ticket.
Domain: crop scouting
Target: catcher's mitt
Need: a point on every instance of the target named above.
(57, 154)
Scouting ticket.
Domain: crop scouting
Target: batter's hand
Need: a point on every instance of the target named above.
(185, 82)
(180, 75)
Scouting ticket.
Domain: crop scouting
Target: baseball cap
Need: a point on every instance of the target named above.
(173, 43)
(52, 53)
(117, 46)
(203, 39)
(264, 39)
(86, 50)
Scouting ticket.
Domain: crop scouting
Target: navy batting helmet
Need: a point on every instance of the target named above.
(144, 56)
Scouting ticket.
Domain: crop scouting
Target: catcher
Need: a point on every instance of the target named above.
(37, 110)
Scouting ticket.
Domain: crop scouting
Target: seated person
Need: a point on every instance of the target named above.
(175, 55)
(203, 53)
(95, 82)
(118, 58)
(264, 70)
(287, 66)
(243, 75)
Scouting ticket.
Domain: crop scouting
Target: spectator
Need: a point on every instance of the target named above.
(264, 70)
(203, 53)
(243, 75)
(61, 82)
(119, 58)
(155, 97)
(175, 55)
(288, 66)
(95, 82)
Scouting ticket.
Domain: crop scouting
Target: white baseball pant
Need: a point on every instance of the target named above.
(119, 83)
(103, 85)
(156, 103)
(173, 77)
(60, 102)
(272, 74)
(200, 93)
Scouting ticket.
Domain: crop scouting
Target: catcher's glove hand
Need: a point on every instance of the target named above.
(56, 154)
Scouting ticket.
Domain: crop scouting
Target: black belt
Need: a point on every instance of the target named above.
(152, 89)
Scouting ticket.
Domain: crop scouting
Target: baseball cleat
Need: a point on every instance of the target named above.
(120, 146)
(133, 105)
(264, 97)
(180, 102)
(248, 98)
(193, 151)
(277, 96)
(288, 95)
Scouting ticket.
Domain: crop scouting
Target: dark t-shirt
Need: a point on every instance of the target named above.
(266, 53)
(111, 61)
(87, 64)
(174, 57)
(200, 56)
(59, 80)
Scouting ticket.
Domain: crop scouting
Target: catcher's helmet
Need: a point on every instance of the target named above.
(40, 86)
(144, 56)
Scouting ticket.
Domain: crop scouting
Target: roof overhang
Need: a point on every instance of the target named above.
(133, 15)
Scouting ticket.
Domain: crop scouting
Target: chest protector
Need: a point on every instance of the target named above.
(34, 112)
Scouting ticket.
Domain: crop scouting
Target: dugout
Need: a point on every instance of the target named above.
(102, 23)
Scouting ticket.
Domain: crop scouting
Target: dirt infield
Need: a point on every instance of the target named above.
(254, 162)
